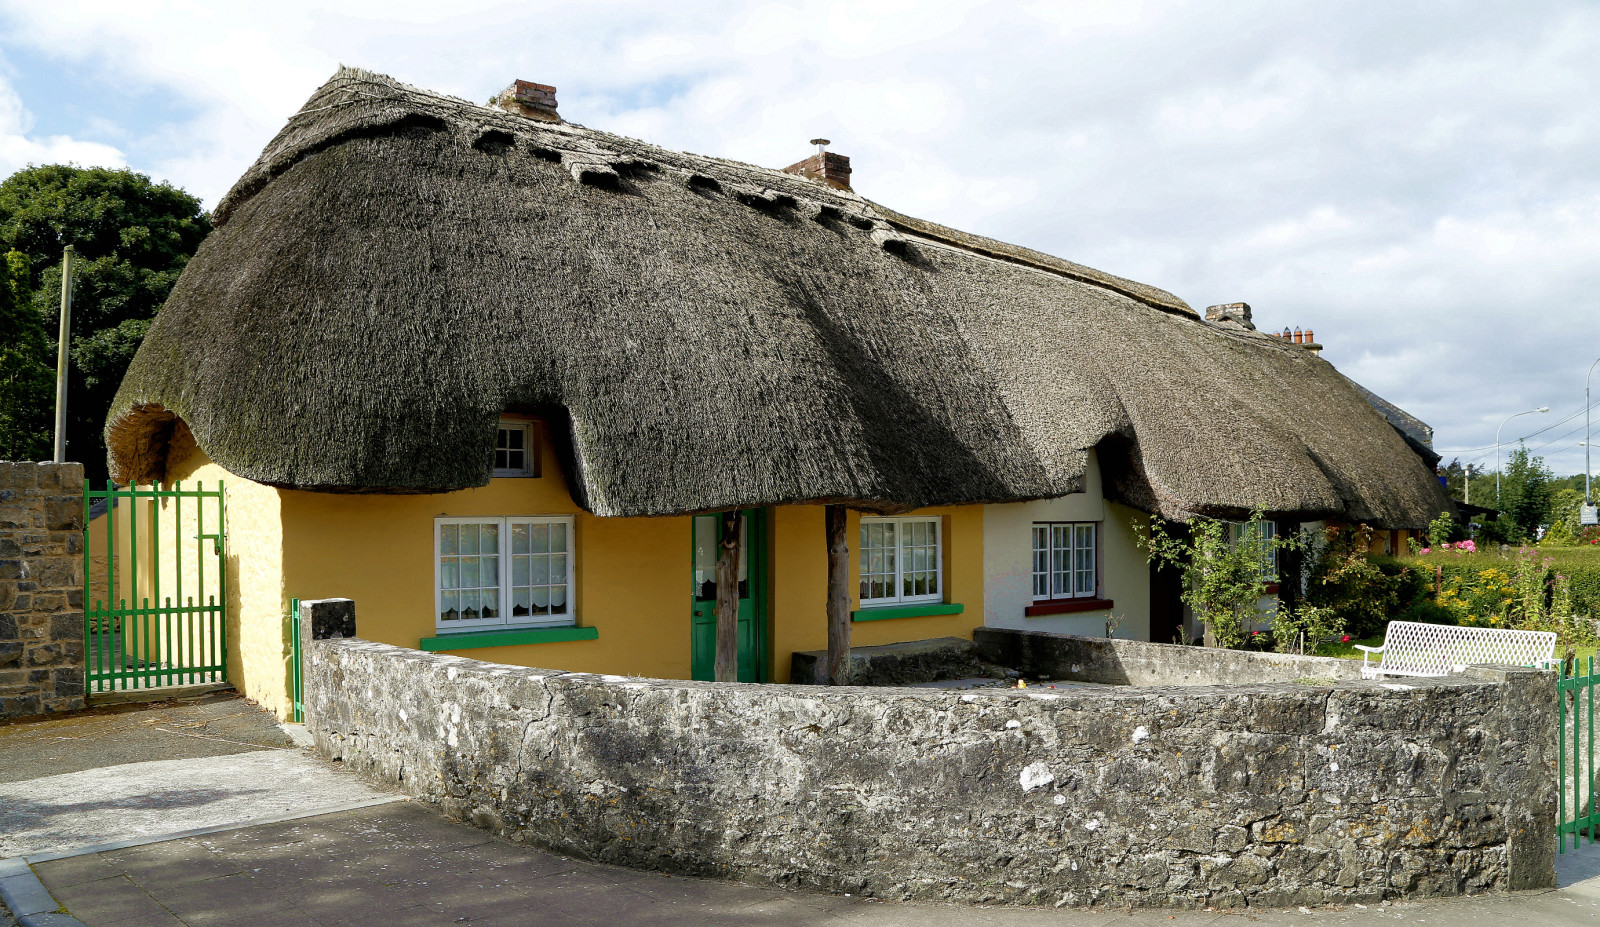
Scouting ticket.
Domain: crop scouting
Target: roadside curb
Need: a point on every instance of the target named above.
(33, 905)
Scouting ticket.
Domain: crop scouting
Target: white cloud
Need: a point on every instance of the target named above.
(19, 146)
(1417, 185)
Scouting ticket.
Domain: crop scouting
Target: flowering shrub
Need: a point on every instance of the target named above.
(1524, 594)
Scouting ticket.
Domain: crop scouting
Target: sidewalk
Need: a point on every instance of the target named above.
(401, 863)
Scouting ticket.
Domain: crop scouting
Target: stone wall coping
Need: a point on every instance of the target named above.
(1476, 677)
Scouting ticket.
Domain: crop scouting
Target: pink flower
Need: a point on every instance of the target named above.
(1345, 639)
(1468, 545)
(1426, 551)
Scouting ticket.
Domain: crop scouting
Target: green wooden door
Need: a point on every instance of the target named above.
(752, 611)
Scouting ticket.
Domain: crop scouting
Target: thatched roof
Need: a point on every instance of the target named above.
(400, 267)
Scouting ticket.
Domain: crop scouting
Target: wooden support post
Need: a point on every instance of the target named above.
(727, 665)
(836, 517)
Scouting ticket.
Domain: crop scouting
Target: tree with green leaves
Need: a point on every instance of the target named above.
(133, 237)
(26, 384)
(1525, 493)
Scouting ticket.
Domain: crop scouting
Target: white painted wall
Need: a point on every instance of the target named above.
(1008, 563)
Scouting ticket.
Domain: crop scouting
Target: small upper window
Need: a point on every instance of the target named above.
(515, 453)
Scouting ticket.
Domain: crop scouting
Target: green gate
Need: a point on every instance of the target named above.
(155, 586)
(1576, 773)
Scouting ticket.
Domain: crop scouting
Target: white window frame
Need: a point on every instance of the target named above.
(1074, 535)
(1270, 572)
(900, 522)
(504, 618)
(528, 450)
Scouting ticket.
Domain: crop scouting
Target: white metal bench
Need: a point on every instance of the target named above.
(1414, 649)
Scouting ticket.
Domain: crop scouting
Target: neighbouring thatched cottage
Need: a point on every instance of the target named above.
(484, 371)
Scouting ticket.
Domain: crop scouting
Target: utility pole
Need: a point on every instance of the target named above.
(1588, 516)
(62, 345)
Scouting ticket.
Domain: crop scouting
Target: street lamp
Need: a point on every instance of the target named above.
(1497, 467)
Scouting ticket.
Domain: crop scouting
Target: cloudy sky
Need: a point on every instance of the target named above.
(1417, 182)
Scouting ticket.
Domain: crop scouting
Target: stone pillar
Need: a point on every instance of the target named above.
(321, 620)
(325, 619)
(1528, 767)
(41, 588)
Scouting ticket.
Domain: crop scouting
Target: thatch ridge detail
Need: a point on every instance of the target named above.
(400, 267)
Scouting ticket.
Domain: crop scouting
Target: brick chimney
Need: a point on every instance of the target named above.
(1238, 313)
(526, 98)
(823, 167)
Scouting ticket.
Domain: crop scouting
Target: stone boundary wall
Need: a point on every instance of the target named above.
(1262, 795)
(1136, 663)
(41, 588)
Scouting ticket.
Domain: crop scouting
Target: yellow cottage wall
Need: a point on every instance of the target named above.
(799, 569)
(631, 575)
(631, 579)
(257, 625)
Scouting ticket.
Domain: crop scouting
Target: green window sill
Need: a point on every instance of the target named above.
(468, 640)
(885, 612)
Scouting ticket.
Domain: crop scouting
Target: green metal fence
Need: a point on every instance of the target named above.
(137, 637)
(1578, 815)
(297, 679)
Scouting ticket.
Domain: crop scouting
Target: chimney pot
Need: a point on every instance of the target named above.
(1298, 337)
(526, 98)
(823, 167)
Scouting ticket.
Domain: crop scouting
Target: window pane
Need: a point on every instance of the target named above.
(469, 606)
(1061, 560)
(558, 568)
(469, 572)
(489, 539)
(449, 573)
(489, 572)
(489, 604)
(469, 539)
(558, 600)
(519, 571)
(519, 537)
(539, 570)
(1041, 561)
(522, 602)
(449, 609)
(541, 600)
(539, 539)
(705, 556)
(449, 539)
(514, 438)
(558, 536)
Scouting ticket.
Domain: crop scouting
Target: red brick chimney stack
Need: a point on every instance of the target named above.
(823, 167)
(526, 98)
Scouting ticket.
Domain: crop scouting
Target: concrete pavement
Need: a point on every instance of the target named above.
(184, 850)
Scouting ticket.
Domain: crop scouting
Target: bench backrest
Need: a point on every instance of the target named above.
(1441, 648)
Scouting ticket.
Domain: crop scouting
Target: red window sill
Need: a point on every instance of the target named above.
(1066, 607)
(1272, 588)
